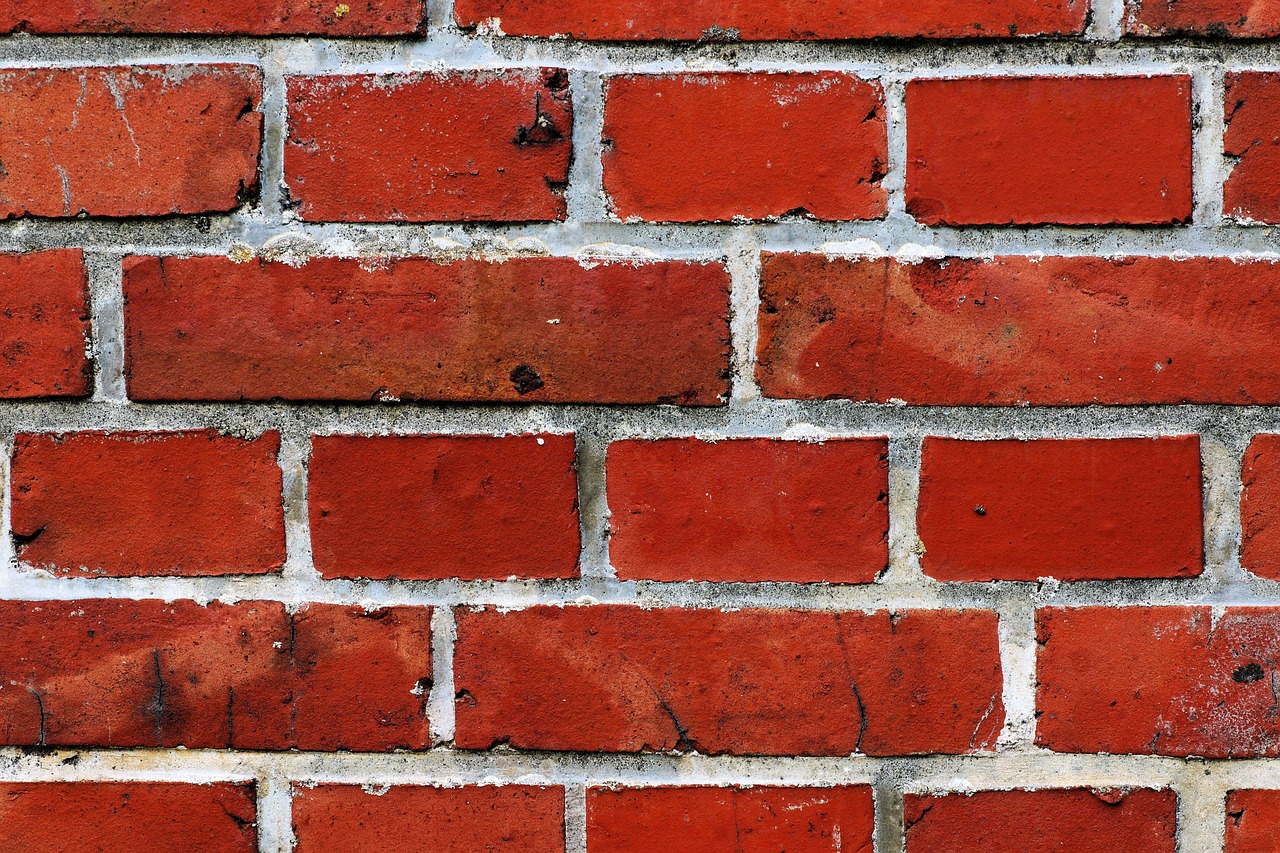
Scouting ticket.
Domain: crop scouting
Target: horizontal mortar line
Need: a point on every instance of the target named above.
(921, 594)
(454, 49)
(697, 241)
(762, 418)
(1029, 767)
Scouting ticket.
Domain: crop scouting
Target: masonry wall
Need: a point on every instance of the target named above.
(619, 426)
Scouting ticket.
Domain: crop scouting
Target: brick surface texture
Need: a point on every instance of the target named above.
(630, 426)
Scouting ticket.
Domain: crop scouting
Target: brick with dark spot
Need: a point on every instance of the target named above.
(615, 678)
(123, 817)
(117, 673)
(1252, 820)
(1159, 681)
(422, 819)
(44, 325)
(1072, 509)
(1212, 18)
(1076, 819)
(758, 819)
(141, 141)
(206, 328)
(1252, 190)
(467, 145)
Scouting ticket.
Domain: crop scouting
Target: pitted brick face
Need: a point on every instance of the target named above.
(754, 682)
(247, 676)
(1216, 18)
(756, 146)
(44, 327)
(140, 141)
(122, 504)
(430, 148)
(213, 330)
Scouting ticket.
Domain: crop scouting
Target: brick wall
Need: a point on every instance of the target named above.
(639, 425)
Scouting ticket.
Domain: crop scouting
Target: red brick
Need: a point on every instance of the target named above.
(696, 147)
(215, 17)
(44, 326)
(615, 678)
(468, 507)
(1252, 820)
(1158, 680)
(1069, 150)
(142, 141)
(1216, 18)
(769, 20)
(1252, 191)
(730, 820)
(749, 510)
(1072, 509)
(123, 817)
(466, 145)
(468, 330)
(195, 503)
(1013, 330)
(115, 673)
(419, 819)
(1260, 507)
(1075, 819)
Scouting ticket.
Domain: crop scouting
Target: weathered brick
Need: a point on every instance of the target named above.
(1076, 819)
(1252, 819)
(466, 145)
(768, 682)
(420, 819)
(1252, 191)
(44, 325)
(1015, 330)
(1260, 507)
(116, 673)
(1069, 150)
(694, 147)
(195, 503)
(759, 819)
(123, 817)
(1158, 680)
(216, 17)
(1072, 509)
(749, 510)
(526, 329)
(444, 506)
(769, 20)
(140, 141)
(1216, 18)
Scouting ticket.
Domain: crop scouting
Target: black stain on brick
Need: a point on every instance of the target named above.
(526, 379)
(1248, 674)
